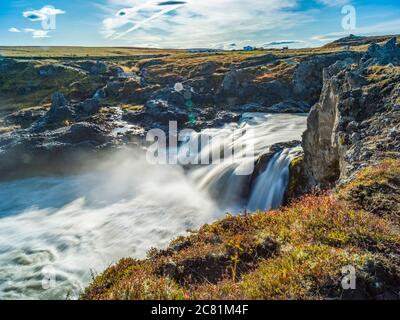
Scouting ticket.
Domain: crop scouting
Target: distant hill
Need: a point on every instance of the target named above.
(353, 40)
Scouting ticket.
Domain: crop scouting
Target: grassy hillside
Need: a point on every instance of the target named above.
(21, 85)
(77, 52)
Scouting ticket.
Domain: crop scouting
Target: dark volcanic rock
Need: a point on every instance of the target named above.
(290, 106)
(89, 107)
(58, 100)
(350, 126)
(389, 53)
(94, 67)
(84, 133)
(25, 118)
(308, 77)
(59, 112)
(25, 152)
(205, 69)
(112, 89)
(235, 80)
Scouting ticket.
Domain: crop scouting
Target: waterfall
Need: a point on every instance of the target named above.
(221, 179)
(270, 186)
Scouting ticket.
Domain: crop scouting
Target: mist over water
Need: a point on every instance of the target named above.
(72, 226)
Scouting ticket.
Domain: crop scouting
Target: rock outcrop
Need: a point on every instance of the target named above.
(308, 77)
(357, 119)
(26, 153)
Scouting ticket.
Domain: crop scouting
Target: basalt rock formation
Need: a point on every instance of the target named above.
(357, 119)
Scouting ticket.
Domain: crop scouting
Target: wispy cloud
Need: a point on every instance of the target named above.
(333, 3)
(38, 33)
(138, 15)
(387, 27)
(197, 23)
(282, 42)
(13, 29)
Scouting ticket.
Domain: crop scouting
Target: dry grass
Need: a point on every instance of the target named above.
(376, 189)
(8, 129)
(75, 52)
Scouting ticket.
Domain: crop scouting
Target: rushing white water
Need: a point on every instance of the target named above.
(260, 131)
(270, 186)
(66, 227)
(76, 224)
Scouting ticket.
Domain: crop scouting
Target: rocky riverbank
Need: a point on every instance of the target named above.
(103, 105)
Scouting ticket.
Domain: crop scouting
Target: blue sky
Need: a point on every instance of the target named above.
(192, 23)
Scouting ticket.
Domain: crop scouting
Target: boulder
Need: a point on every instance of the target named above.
(116, 71)
(59, 111)
(382, 55)
(234, 80)
(89, 107)
(290, 106)
(205, 69)
(129, 88)
(112, 88)
(84, 132)
(94, 67)
(58, 100)
(61, 114)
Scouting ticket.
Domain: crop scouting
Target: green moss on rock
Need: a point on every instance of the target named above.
(296, 179)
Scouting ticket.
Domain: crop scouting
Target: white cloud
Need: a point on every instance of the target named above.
(333, 3)
(38, 33)
(194, 23)
(387, 27)
(14, 30)
(35, 33)
(282, 42)
(42, 14)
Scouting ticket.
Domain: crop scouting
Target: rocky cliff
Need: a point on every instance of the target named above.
(357, 119)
